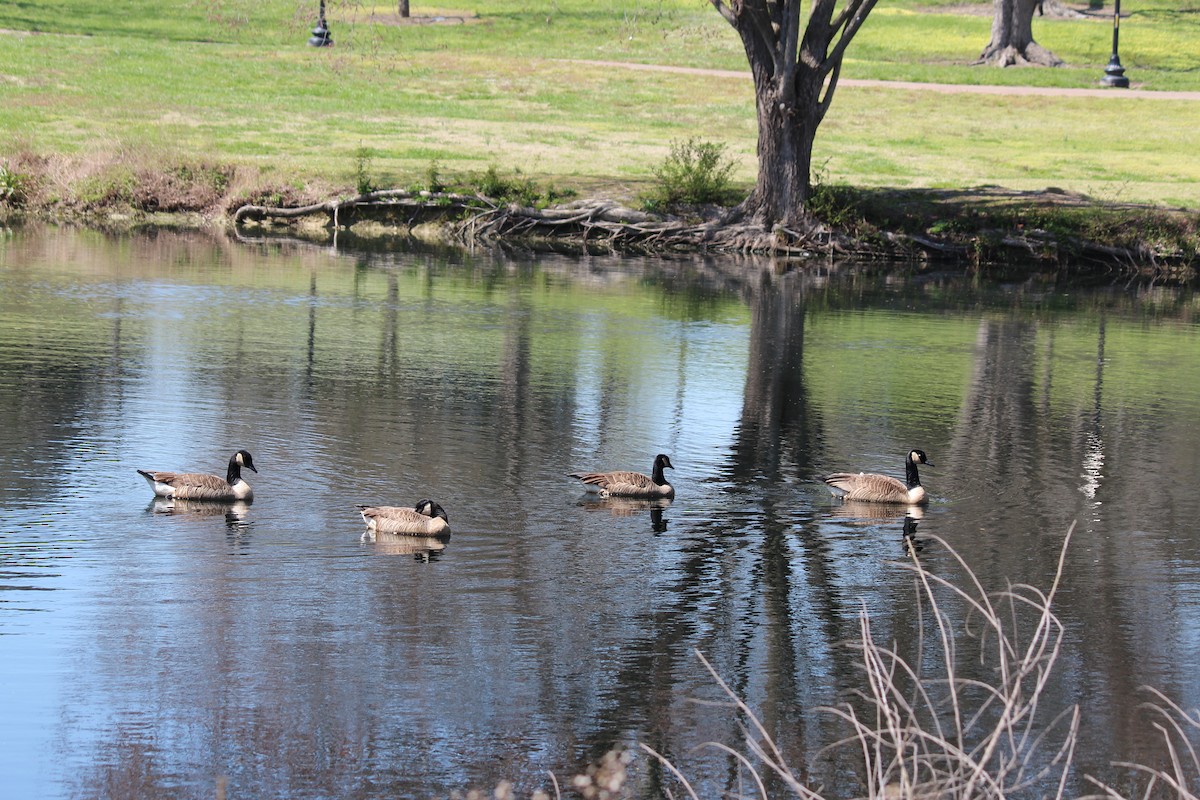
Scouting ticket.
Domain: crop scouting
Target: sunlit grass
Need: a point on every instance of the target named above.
(235, 80)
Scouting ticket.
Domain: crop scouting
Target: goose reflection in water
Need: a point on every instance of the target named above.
(866, 514)
(422, 548)
(235, 513)
(629, 507)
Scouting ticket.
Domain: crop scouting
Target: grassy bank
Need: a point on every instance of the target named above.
(97, 96)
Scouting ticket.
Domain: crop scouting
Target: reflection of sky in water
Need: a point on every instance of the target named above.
(274, 647)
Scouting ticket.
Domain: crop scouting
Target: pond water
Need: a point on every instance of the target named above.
(267, 651)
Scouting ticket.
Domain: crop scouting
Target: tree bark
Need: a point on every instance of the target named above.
(786, 132)
(1012, 41)
(402, 8)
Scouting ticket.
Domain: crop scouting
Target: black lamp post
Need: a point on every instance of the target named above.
(1114, 73)
(321, 36)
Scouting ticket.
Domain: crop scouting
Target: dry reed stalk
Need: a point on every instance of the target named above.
(923, 741)
(927, 735)
(925, 732)
(1182, 780)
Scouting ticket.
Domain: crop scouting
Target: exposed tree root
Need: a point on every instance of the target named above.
(597, 225)
(614, 227)
(1056, 9)
(421, 206)
(606, 226)
(1031, 55)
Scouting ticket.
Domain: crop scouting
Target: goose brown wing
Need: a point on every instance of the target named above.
(611, 481)
(398, 519)
(868, 486)
(197, 485)
(192, 485)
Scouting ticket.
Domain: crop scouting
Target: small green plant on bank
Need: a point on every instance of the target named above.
(209, 177)
(521, 190)
(433, 177)
(834, 205)
(694, 173)
(362, 171)
(13, 187)
(109, 188)
(492, 184)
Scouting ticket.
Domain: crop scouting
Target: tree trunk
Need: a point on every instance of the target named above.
(795, 59)
(788, 116)
(402, 9)
(1057, 9)
(1012, 41)
(785, 143)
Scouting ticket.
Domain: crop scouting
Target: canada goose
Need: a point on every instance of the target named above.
(199, 486)
(426, 518)
(630, 484)
(882, 488)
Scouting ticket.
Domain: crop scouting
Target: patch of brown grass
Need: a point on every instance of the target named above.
(123, 181)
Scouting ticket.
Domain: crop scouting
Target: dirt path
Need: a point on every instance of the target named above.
(940, 88)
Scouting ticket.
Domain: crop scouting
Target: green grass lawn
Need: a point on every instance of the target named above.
(118, 85)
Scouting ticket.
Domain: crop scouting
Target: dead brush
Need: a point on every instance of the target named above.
(1181, 780)
(923, 731)
(933, 731)
(939, 732)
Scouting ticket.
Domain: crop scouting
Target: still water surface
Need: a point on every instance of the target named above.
(270, 651)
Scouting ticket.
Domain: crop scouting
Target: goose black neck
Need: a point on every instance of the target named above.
(234, 474)
(910, 473)
(657, 475)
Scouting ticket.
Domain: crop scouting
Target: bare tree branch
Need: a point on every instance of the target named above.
(830, 87)
(853, 22)
(756, 18)
(790, 35)
(725, 11)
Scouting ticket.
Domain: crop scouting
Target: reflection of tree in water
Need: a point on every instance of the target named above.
(512, 404)
(995, 435)
(389, 355)
(754, 635)
(1008, 454)
(777, 428)
(43, 399)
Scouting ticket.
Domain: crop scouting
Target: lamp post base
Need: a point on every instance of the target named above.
(1114, 75)
(322, 38)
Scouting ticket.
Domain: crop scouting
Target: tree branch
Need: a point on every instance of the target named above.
(850, 20)
(725, 11)
(790, 35)
(824, 102)
(754, 17)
